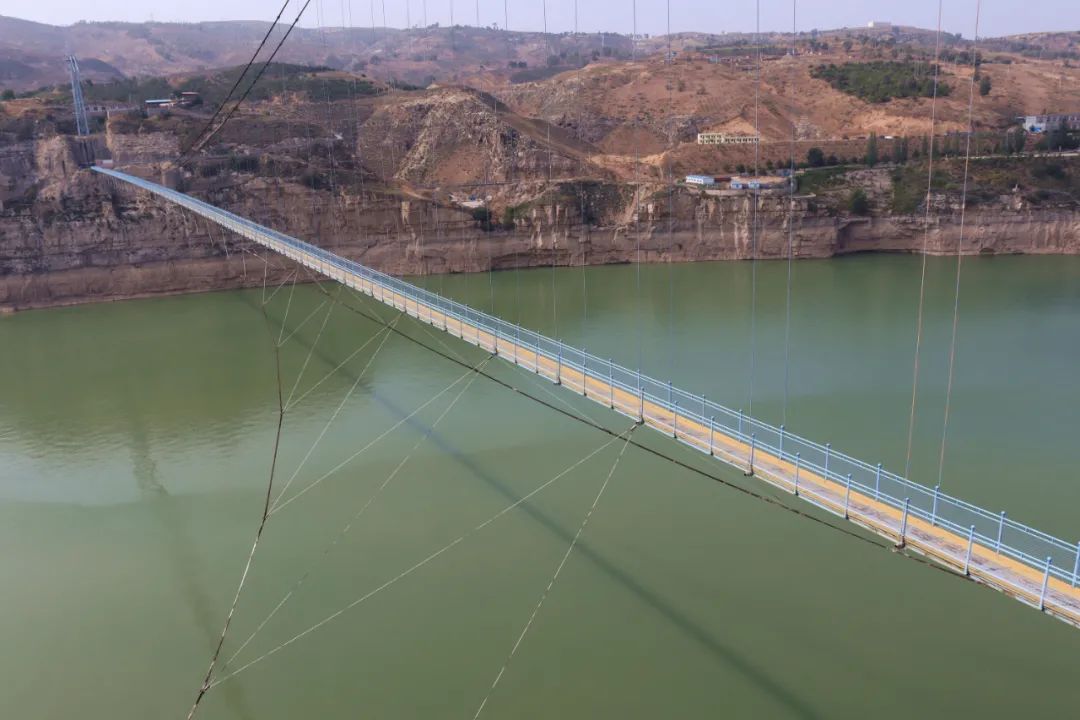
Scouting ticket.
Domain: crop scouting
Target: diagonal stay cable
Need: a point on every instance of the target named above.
(291, 276)
(558, 570)
(288, 307)
(340, 365)
(258, 532)
(311, 348)
(337, 411)
(458, 358)
(279, 505)
(685, 465)
(303, 323)
(348, 526)
(405, 573)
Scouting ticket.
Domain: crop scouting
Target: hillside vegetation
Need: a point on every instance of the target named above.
(313, 83)
(878, 82)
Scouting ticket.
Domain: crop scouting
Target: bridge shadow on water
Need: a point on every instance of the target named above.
(760, 677)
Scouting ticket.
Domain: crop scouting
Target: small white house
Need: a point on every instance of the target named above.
(700, 180)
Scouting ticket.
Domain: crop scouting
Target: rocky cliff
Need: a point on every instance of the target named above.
(72, 235)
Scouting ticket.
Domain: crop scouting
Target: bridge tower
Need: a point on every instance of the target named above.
(81, 125)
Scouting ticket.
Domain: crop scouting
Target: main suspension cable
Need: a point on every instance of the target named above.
(240, 79)
(247, 92)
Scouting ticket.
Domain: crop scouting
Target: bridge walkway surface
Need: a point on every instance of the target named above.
(1022, 562)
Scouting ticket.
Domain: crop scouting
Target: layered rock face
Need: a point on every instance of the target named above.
(69, 235)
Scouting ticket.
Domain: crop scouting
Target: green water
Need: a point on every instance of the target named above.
(136, 439)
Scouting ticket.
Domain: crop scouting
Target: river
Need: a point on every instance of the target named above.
(136, 440)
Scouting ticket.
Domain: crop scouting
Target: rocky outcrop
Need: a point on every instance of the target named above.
(82, 237)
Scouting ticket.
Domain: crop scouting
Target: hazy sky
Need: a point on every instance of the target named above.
(999, 17)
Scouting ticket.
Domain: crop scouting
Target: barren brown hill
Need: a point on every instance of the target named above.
(651, 108)
(32, 54)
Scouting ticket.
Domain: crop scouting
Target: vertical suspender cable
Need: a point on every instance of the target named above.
(790, 218)
(926, 238)
(671, 223)
(637, 221)
(755, 197)
(960, 241)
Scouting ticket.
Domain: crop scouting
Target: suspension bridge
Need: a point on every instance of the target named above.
(1023, 562)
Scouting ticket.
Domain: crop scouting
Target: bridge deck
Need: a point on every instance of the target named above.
(1015, 572)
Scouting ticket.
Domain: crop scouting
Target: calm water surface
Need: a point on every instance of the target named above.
(136, 439)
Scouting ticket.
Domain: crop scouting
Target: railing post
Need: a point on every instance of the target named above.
(753, 446)
(584, 373)
(675, 422)
(641, 403)
(558, 364)
(517, 342)
(712, 451)
(1045, 583)
(1001, 530)
(933, 509)
(1076, 565)
(781, 448)
(536, 353)
(611, 384)
(828, 451)
(967, 558)
(847, 495)
(877, 482)
(798, 461)
(903, 522)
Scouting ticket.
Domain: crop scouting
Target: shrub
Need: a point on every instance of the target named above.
(858, 203)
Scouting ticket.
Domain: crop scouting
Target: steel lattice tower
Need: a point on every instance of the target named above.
(77, 97)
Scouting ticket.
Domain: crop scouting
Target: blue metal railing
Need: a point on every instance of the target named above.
(1038, 550)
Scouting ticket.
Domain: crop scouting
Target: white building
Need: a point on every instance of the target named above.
(700, 180)
(712, 138)
(1048, 123)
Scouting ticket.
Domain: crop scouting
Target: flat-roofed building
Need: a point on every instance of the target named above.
(712, 138)
(1049, 123)
(759, 182)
